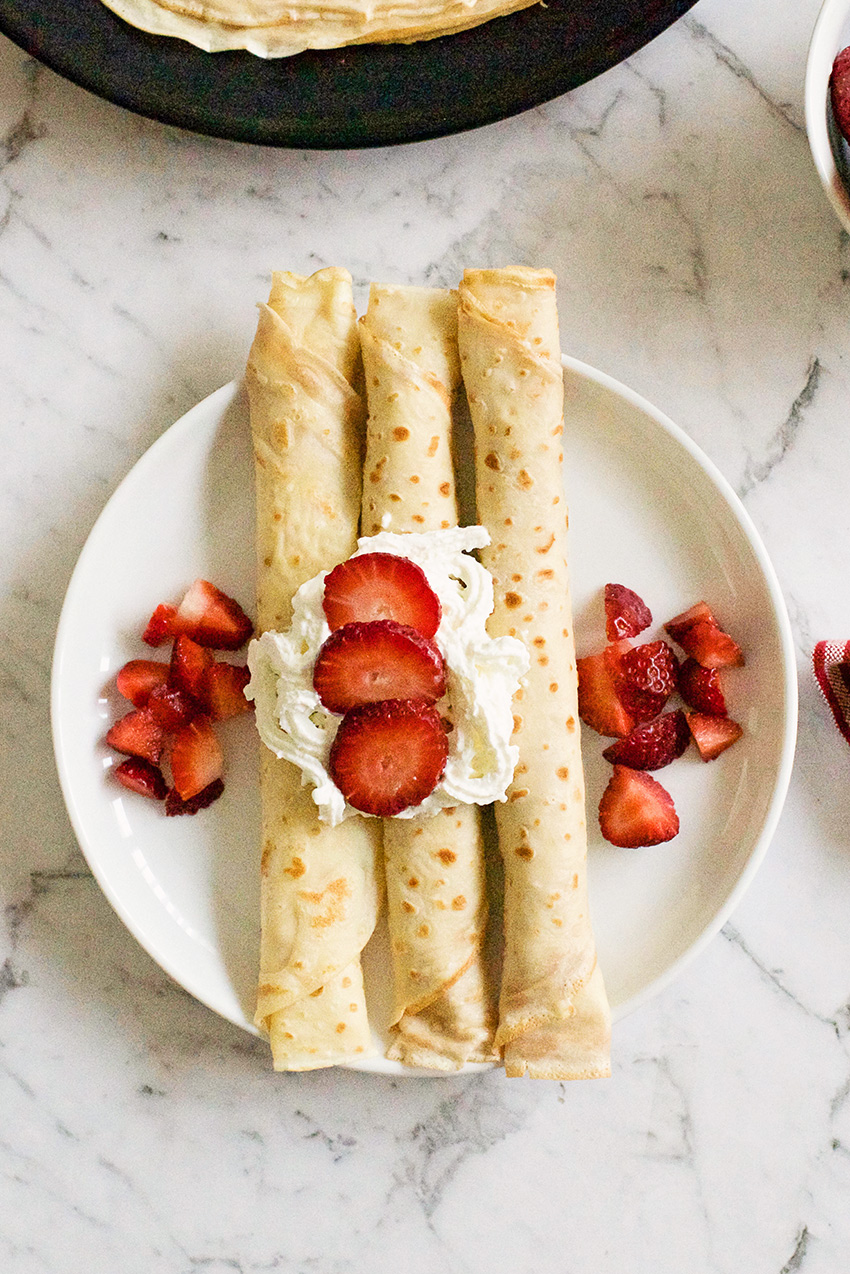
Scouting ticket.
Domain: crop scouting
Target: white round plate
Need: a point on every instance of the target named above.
(647, 510)
(831, 34)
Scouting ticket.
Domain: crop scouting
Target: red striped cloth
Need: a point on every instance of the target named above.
(831, 661)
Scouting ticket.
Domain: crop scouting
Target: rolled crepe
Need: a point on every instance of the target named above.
(321, 886)
(553, 1012)
(436, 891)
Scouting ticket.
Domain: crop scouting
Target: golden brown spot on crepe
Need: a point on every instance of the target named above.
(317, 992)
(557, 922)
(509, 521)
(333, 897)
(423, 931)
(515, 452)
(526, 619)
(539, 641)
(298, 964)
(340, 1027)
(516, 578)
(445, 525)
(557, 500)
(563, 772)
(267, 561)
(544, 548)
(553, 686)
(449, 810)
(433, 445)
(414, 477)
(346, 982)
(524, 851)
(518, 793)
(445, 488)
(562, 806)
(414, 882)
(520, 694)
(446, 856)
(513, 600)
(408, 907)
(417, 517)
(517, 724)
(560, 457)
(439, 903)
(265, 859)
(401, 433)
(575, 882)
(522, 768)
(277, 516)
(525, 479)
(458, 903)
(547, 574)
(577, 793)
(417, 831)
(295, 869)
(559, 429)
(543, 660)
(353, 1008)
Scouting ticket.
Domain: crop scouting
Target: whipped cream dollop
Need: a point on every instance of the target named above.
(482, 675)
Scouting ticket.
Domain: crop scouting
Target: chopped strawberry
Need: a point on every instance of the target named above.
(211, 618)
(142, 777)
(190, 664)
(138, 734)
(700, 688)
(700, 636)
(225, 686)
(626, 614)
(636, 810)
(713, 735)
(364, 663)
(381, 586)
(388, 756)
(653, 745)
(644, 677)
(139, 677)
(598, 703)
(174, 803)
(196, 759)
(160, 626)
(172, 707)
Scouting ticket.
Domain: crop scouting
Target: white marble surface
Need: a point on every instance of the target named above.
(699, 263)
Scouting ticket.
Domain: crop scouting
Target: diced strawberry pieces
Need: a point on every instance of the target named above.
(225, 687)
(644, 677)
(653, 745)
(174, 803)
(196, 759)
(389, 756)
(626, 614)
(700, 636)
(376, 586)
(598, 703)
(636, 810)
(172, 707)
(161, 626)
(211, 618)
(190, 663)
(365, 663)
(138, 734)
(140, 776)
(713, 735)
(139, 677)
(700, 688)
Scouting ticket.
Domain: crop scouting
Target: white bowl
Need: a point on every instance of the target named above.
(831, 34)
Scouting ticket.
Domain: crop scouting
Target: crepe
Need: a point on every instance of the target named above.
(271, 28)
(553, 1012)
(436, 888)
(321, 886)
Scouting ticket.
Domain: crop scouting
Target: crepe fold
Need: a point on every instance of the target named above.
(553, 1012)
(321, 886)
(435, 870)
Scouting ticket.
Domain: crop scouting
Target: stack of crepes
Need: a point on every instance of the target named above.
(281, 28)
(318, 473)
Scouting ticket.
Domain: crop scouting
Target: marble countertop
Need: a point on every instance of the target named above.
(698, 262)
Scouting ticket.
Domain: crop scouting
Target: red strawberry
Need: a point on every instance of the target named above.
(700, 688)
(598, 704)
(652, 746)
(381, 586)
(225, 687)
(644, 677)
(364, 663)
(839, 91)
(142, 777)
(211, 618)
(636, 810)
(190, 664)
(139, 677)
(388, 756)
(174, 803)
(138, 734)
(172, 708)
(196, 759)
(626, 614)
(160, 626)
(699, 634)
(713, 735)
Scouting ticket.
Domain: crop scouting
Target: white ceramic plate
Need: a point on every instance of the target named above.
(831, 34)
(647, 510)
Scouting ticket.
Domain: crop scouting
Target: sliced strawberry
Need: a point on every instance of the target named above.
(364, 663)
(598, 703)
(142, 777)
(644, 677)
(636, 810)
(196, 759)
(713, 735)
(653, 745)
(839, 91)
(381, 586)
(174, 803)
(388, 756)
(700, 636)
(211, 618)
(138, 734)
(225, 686)
(172, 707)
(160, 626)
(700, 688)
(139, 677)
(190, 664)
(626, 614)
